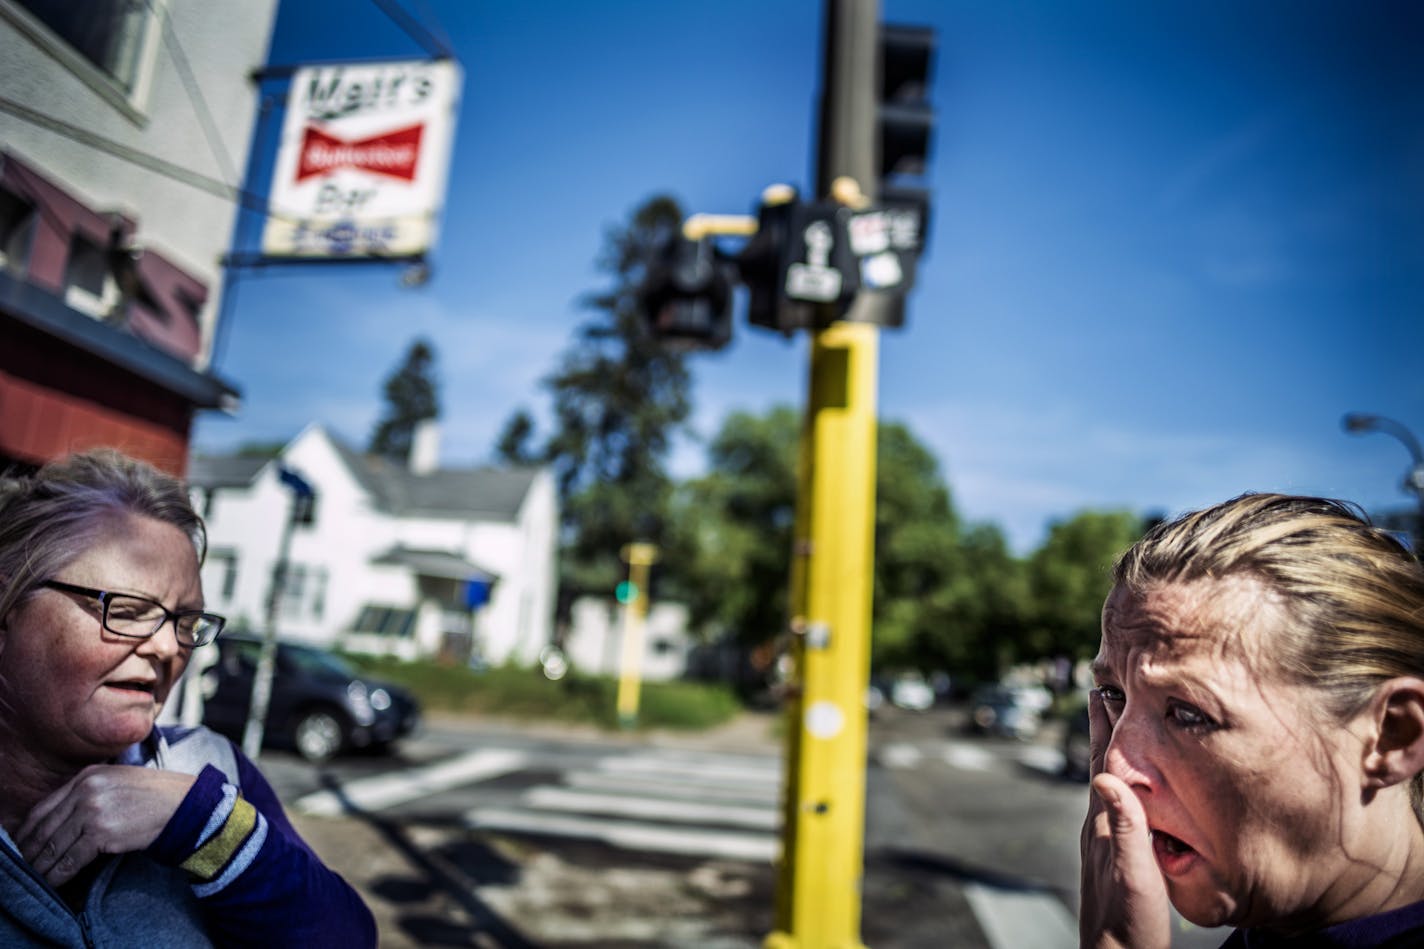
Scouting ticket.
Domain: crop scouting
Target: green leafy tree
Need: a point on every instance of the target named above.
(916, 546)
(980, 634)
(260, 449)
(619, 396)
(946, 597)
(1070, 576)
(735, 526)
(411, 397)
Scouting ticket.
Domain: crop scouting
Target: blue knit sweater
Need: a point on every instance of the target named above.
(227, 870)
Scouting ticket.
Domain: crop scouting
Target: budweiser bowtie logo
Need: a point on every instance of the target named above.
(393, 154)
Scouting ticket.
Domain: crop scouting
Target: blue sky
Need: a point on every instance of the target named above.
(1172, 243)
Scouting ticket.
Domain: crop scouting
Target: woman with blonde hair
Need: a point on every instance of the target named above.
(1258, 733)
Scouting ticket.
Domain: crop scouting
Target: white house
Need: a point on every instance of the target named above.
(597, 627)
(410, 561)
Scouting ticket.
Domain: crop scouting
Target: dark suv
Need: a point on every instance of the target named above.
(320, 705)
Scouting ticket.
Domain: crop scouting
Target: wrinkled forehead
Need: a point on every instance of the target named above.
(1232, 618)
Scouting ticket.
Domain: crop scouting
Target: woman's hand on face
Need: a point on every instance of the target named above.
(102, 809)
(1124, 898)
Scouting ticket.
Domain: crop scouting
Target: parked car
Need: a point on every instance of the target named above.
(320, 705)
(1003, 710)
(911, 692)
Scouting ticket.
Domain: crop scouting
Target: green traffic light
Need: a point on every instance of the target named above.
(626, 592)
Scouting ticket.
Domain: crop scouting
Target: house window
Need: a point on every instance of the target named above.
(229, 577)
(318, 602)
(220, 576)
(17, 230)
(294, 591)
(88, 287)
(304, 510)
(108, 33)
(391, 621)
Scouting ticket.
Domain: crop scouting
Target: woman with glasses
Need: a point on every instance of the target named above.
(1257, 733)
(115, 831)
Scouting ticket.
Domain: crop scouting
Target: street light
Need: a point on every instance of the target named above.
(1357, 423)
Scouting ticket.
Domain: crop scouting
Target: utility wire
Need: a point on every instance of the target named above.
(435, 46)
(127, 153)
(435, 26)
(195, 96)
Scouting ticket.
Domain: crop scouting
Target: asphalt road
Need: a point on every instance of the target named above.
(480, 834)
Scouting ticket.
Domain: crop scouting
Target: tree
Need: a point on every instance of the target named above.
(945, 597)
(735, 526)
(411, 394)
(619, 397)
(1070, 576)
(260, 449)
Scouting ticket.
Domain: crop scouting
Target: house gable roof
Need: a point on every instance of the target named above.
(224, 471)
(483, 493)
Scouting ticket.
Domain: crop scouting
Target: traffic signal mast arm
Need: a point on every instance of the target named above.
(700, 226)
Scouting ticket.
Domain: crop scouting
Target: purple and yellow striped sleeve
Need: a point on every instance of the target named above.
(214, 837)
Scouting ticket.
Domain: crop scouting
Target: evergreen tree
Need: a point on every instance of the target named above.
(411, 394)
(619, 396)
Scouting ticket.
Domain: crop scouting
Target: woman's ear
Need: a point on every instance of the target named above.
(1395, 753)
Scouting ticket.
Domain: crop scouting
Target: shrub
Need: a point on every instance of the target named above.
(523, 692)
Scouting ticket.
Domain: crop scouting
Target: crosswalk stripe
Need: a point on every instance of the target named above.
(675, 787)
(900, 756)
(968, 757)
(631, 836)
(387, 790)
(650, 808)
(726, 772)
(1042, 758)
(1013, 919)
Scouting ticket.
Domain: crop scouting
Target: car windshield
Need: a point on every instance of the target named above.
(316, 661)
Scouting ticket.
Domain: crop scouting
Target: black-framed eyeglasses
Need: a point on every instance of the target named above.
(138, 617)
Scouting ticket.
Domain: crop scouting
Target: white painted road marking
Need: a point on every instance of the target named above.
(650, 808)
(649, 837)
(968, 757)
(387, 790)
(719, 770)
(687, 787)
(1012, 919)
(1042, 758)
(900, 756)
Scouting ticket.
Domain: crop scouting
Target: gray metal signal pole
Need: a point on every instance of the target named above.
(302, 494)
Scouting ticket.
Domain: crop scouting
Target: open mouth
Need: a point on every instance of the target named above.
(1174, 856)
(133, 685)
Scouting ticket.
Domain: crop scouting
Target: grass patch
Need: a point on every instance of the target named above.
(519, 692)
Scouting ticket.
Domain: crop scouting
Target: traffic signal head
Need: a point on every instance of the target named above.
(686, 294)
(763, 261)
(906, 117)
(626, 592)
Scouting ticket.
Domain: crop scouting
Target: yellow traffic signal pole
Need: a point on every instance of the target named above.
(639, 556)
(822, 862)
(818, 902)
